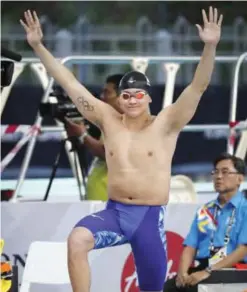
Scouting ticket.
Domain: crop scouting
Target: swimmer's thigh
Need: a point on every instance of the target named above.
(105, 228)
(149, 249)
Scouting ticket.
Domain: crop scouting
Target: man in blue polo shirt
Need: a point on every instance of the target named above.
(218, 234)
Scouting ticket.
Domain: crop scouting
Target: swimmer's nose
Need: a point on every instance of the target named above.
(132, 100)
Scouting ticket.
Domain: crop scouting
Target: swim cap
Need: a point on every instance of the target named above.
(134, 79)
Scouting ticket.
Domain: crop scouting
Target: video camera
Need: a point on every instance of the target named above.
(60, 108)
(7, 67)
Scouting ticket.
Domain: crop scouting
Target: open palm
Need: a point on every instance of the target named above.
(32, 28)
(211, 31)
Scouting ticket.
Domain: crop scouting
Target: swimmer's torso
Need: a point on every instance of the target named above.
(139, 163)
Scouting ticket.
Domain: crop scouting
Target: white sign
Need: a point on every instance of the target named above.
(112, 269)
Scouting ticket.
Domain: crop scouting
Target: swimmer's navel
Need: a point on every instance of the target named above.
(130, 198)
(150, 153)
(111, 153)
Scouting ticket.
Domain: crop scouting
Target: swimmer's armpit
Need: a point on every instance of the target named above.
(182, 111)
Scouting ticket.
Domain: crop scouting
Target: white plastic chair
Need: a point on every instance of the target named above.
(46, 264)
(182, 190)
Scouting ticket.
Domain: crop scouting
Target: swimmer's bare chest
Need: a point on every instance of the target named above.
(139, 163)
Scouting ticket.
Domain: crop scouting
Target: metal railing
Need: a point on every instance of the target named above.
(127, 60)
(141, 36)
(234, 98)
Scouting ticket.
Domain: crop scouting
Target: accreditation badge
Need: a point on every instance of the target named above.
(218, 256)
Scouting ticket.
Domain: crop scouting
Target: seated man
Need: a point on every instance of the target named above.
(218, 234)
(96, 187)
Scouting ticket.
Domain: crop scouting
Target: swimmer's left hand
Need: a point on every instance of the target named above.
(197, 277)
(211, 31)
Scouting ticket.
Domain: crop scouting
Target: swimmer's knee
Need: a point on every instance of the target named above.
(80, 240)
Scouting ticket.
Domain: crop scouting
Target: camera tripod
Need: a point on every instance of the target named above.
(74, 148)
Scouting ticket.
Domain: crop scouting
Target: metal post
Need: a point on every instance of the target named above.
(233, 103)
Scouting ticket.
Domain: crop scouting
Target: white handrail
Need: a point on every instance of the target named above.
(188, 128)
(91, 59)
(233, 102)
(151, 59)
(234, 96)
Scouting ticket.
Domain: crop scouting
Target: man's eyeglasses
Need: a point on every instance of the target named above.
(224, 172)
(137, 95)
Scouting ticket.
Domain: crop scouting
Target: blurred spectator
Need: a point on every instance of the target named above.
(218, 234)
(96, 187)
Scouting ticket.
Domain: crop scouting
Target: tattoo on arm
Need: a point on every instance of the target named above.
(85, 104)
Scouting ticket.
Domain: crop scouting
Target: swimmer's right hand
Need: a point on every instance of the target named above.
(32, 28)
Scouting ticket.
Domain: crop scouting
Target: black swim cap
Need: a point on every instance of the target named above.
(134, 79)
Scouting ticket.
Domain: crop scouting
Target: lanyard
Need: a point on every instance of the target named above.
(228, 229)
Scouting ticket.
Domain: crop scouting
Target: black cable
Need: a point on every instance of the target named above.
(56, 163)
(54, 169)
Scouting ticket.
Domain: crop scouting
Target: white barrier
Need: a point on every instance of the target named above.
(112, 268)
(13, 152)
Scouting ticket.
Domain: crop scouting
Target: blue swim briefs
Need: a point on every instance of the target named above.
(143, 228)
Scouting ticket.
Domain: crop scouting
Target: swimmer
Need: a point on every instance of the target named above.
(139, 148)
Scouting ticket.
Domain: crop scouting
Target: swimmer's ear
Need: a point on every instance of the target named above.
(149, 99)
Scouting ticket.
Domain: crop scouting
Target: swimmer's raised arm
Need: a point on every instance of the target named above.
(90, 107)
(182, 111)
